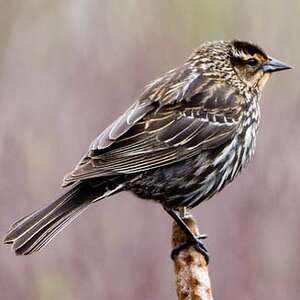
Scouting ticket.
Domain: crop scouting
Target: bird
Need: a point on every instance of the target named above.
(185, 138)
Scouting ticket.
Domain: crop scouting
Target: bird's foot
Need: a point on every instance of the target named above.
(197, 243)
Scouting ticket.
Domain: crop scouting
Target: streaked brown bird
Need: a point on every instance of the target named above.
(184, 139)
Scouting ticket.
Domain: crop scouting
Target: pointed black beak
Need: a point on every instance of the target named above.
(274, 65)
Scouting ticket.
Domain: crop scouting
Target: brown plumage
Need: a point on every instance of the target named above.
(186, 137)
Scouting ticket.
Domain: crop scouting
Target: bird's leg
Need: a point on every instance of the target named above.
(191, 238)
(182, 212)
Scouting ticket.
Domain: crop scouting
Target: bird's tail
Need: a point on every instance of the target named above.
(36, 230)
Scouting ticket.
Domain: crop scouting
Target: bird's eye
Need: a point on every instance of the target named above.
(252, 62)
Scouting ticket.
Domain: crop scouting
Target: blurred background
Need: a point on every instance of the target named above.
(68, 69)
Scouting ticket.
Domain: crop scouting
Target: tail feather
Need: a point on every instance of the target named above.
(51, 233)
(33, 220)
(43, 236)
(36, 230)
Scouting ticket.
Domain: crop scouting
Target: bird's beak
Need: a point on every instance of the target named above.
(274, 65)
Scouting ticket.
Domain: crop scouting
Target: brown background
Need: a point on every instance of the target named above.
(67, 69)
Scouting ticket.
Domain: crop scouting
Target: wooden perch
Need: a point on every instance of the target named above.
(192, 279)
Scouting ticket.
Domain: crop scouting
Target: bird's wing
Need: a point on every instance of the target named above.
(178, 116)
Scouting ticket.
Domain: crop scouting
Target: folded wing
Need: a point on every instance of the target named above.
(178, 116)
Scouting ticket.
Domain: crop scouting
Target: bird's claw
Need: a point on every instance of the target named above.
(199, 246)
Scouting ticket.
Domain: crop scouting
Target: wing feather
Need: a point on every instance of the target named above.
(121, 125)
(178, 116)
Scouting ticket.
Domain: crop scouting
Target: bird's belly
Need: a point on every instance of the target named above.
(189, 182)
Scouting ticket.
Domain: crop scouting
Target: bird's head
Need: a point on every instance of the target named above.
(252, 65)
(237, 60)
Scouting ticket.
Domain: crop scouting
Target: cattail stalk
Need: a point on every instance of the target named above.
(192, 278)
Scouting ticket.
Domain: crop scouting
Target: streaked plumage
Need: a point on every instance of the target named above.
(187, 136)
